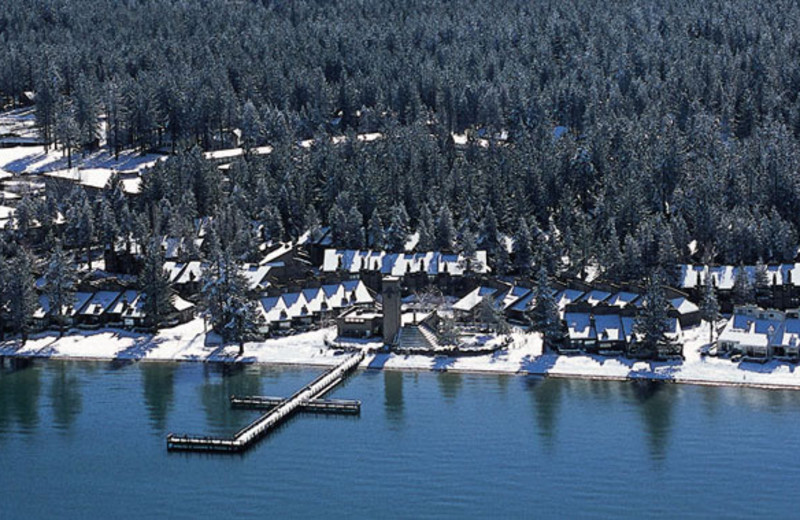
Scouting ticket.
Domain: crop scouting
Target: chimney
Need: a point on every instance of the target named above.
(391, 309)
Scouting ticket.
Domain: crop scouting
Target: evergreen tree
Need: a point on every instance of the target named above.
(59, 286)
(445, 236)
(375, 233)
(523, 254)
(5, 296)
(232, 313)
(743, 292)
(544, 315)
(397, 234)
(652, 323)
(709, 309)
(425, 229)
(155, 285)
(21, 294)
(489, 232)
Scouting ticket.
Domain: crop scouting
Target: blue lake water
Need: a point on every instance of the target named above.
(80, 440)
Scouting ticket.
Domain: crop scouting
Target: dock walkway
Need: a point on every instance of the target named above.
(245, 437)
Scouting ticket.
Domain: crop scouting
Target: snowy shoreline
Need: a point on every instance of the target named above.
(189, 342)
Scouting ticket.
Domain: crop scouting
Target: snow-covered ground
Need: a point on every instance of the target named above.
(189, 342)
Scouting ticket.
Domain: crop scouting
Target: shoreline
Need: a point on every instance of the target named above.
(365, 366)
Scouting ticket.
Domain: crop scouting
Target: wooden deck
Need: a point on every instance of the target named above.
(247, 436)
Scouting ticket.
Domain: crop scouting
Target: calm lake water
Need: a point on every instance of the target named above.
(81, 440)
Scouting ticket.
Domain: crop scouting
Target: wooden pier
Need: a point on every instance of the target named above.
(341, 406)
(302, 399)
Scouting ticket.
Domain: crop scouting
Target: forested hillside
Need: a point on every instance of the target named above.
(614, 133)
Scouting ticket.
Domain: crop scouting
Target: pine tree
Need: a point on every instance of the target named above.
(743, 292)
(354, 229)
(709, 309)
(397, 234)
(232, 314)
(523, 254)
(22, 294)
(5, 296)
(445, 233)
(490, 234)
(544, 315)
(425, 229)
(59, 285)
(155, 285)
(652, 323)
(375, 233)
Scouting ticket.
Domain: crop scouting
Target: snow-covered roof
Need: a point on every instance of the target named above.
(273, 256)
(96, 178)
(128, 296)
(99, 303)
(179, 304)
(749, 330)
(621, 299)
(683, 306)
(507, 298)
(567, 296)
(608, 327)
(256, 275)
(313, 300)
(400, 264)
(6, 212)
(473, 298)
(789, 334)
(525, 302)
(192, 272)
(174, 269)
(579, 325)
(595, 296)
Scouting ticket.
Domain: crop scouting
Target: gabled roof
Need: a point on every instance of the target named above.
(474, 298)
(608, 327)
(100, 303)
(579, 325)
(622, 298)
(400, 264)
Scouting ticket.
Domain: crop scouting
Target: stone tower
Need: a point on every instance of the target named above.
(391, 309)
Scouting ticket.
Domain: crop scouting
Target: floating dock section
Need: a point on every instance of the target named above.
(307, 397)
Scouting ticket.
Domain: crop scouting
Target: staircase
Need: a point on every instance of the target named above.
(417, 338)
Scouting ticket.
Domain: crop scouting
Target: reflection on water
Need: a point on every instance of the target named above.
(656, 407)
(219, 384)
(450, 384)
(65, 395)
(393, 390)
(20, 386)
(546, 395)
(158, 380)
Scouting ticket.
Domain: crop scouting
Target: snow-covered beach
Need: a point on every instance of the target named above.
(189, 342)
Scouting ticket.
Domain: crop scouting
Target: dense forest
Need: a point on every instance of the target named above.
(621, 135)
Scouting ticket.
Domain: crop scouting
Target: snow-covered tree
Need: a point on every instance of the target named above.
(155, 285)
(425, 228)
(398, 231)
(523, 253)
(21, 294)
(652, 323)
(544, 314)
(445, 233)
(743, 291)
(233, 315)
(59, 285)
(709, 308)
(375, 232)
